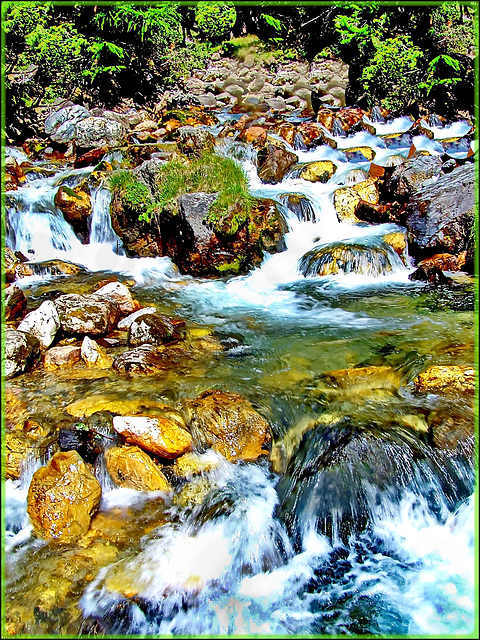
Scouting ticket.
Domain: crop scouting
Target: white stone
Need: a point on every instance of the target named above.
(126, 322)
(118, 293)
(43, 323)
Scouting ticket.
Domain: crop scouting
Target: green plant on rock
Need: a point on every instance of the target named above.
(134, 195)
(210, 173)
(215, 19)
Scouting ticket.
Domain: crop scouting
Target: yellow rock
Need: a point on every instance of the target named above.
(413, 421)
(446, 379)
(62, 498)
(132, 468)
(368, 153)
(320, 171)
(16, 411)
(18, 447)
(228, 423)
(348, 199)
(397, 240)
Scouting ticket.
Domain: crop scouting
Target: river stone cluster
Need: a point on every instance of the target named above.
(262, 85)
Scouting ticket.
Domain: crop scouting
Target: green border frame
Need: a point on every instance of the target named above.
(274, 3)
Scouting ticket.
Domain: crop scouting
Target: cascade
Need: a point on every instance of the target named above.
(355, 525)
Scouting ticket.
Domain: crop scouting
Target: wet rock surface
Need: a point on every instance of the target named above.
(62, 498)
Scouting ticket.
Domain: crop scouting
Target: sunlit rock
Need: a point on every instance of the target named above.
(125, 323)
(84, 407)
(319, 171)
(86, 315)
(43, 323)
(94, 355)
(62, 498)
(451, 426)
(19, 447)
(162, 436)
(21, 351)
(228, 423)
(193, 464)
(347, 200)
(360, 379)
(132, 468)
(446, 379)
(76, 206)
(62, 356)
(445, 261)
(94, 132)
(120, 294)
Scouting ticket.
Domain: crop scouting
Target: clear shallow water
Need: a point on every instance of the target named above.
(251, 554)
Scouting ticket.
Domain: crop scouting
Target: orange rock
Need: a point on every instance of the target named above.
(132, 468)
(62, 498)
(61, 357)
(445, 261)
(158, 435)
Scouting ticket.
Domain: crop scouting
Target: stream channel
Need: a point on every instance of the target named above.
(356, 524)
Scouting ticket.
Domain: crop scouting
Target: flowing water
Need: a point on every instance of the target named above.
(356, 524)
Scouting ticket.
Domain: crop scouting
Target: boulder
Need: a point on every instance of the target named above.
(61, 125)
(86, 314)
(446, 379)
(43, 323)
(228, 423)
(14, 266)
(319, 171)
(195, 140)
(410, 176)
(274, 162)
(254, 134)
(132, 468)
(21, 351)
(53, 268)
(62, 356)
(15, 302)
(445, 261)
(195, 464)
(348, 200)
(161, 436)
(94, 355)
(99, 132)
(62, 498)
(120, 295)
(152, 329)
(440, 214)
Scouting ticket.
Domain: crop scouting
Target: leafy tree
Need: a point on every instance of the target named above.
(215, 19)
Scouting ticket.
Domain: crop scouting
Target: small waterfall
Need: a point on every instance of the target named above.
(366, 257)
(101, 231)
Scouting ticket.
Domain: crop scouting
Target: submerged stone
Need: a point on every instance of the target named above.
(446, 379)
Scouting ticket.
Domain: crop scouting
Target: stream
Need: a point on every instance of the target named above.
(355, 525)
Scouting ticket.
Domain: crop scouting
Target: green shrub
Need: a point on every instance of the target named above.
(392, 78)
(215, 19)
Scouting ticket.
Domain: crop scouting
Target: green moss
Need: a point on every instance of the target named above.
(229, 267)
(134, 195)
(209, 173)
